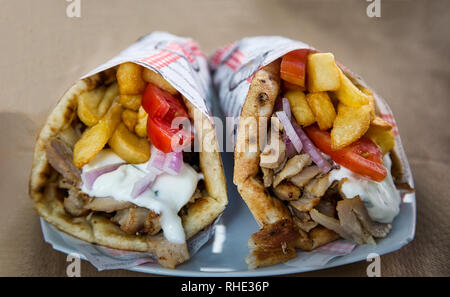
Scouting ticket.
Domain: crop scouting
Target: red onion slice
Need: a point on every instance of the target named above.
(91, 176)
(287, 108)
(173, 163)
(278, 105)
(289, 129)
(157, 159)
(141, 185)
(290, 149)
(311, 149)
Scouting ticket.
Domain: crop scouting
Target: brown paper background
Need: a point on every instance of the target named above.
(404, 56)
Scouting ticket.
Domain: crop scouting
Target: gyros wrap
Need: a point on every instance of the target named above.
(317, 155)
(96, 175)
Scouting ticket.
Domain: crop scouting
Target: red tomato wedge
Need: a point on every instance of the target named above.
(293, 67)
(362, 157)
(164, 137)
(157, 103)
(162, 109)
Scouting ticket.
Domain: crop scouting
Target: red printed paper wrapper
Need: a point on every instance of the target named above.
(233, 68)
(181, 62)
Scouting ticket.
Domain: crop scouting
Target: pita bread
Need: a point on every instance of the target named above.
(278, 237)
(96, 228)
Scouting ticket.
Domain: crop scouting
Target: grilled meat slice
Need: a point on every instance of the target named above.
(152, 224)
(302, 179)
(169, 254)
(318, 186)
(274, 243)
(131, 220)
(267, 176)
(60, 157)
(287, 191)
(326, 207)
(349, 221)
(305, 226)
(274, 152)
(293, 166)
(107, 204)
(355, 208)
(74, 203)
(330, 223)
(305, 203)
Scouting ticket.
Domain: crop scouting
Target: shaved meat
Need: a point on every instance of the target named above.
(318, 186)
(169, 254)
(74, 203)
(349, 221)
(326, 207)
(107, 204)
(60, 157)
(301, 215)
(330, 223)
(293, 166)
(267, 176)
(274, 152)
(131, 220)
(152, 224)
(287, 192)
(274, 243)
(359, 211)
(305, 203)
(321, 235)
(307, 174)
(305, 226)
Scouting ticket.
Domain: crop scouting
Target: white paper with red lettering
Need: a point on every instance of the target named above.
(181, 62)
(233, 68)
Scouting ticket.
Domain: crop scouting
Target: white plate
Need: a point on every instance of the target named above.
(239, 225)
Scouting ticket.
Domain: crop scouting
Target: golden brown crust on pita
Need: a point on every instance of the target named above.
(99, 229)
(259, 104)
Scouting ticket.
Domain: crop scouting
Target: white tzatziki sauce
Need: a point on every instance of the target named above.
(382, 199)
(166, 196)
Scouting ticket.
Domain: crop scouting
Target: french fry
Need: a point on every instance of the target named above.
(383, 137)
(300, 108)
(349, 94)
(141, 125)
(129, 146)
(132, 102)
(371, 97)
(351, 123)
(129, 78)
(322, 73)
(129, 118)
(94, 139)
(156, 79)
(381, 124)
(87, 106)
(322, 109)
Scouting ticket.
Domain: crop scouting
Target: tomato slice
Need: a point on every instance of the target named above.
(158, 103)
(293, 67)
(362, 157)
(162, 109)
(165, 138)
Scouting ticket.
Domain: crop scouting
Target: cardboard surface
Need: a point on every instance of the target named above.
(404, 56)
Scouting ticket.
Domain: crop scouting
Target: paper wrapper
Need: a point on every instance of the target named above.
(233, 68)
(181, 62)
